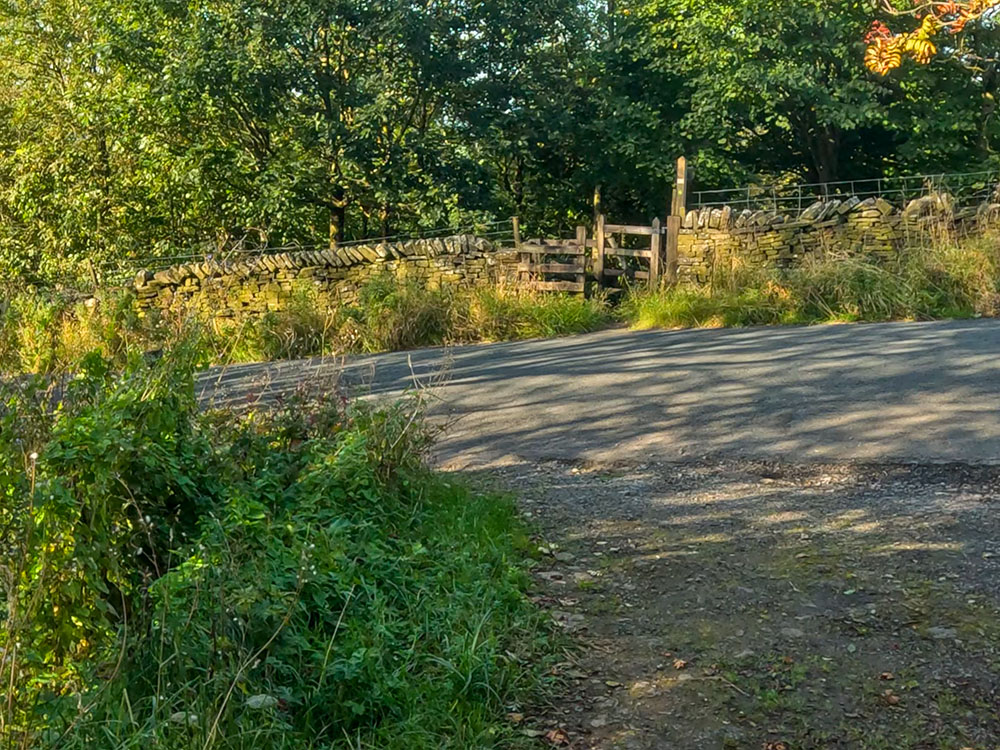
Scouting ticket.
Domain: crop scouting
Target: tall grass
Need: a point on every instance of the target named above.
(44, 332)
(941, 280)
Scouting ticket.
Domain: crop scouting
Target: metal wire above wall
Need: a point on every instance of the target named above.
(963, 187)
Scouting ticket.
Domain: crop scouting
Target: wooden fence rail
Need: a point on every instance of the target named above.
(566, 265)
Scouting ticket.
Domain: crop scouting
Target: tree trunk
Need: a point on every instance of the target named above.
(824, 150)
(519, 187)
(989, 78)
(337, 217)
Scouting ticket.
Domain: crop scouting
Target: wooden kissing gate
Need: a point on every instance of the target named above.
(557, 265)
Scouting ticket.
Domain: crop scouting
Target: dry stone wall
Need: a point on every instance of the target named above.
(257, 284)
(708, 238)
(872, 226)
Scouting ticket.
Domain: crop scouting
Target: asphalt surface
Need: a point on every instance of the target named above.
(924, 392)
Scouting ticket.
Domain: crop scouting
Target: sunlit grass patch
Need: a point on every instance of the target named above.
(941, 280)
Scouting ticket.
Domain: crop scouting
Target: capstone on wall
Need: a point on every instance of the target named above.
(260, 283)
(872, 226)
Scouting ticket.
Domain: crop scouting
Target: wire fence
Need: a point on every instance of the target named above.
(964, 188)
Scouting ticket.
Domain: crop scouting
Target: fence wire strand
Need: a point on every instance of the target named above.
(963, 187)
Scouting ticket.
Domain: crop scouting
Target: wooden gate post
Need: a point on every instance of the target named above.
(678, 209)
(654, 255)
(599, 251)
(678, 206)
(581, 259)
(673, 232)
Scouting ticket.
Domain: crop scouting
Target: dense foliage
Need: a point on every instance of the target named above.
(288, 579)
(133, 128)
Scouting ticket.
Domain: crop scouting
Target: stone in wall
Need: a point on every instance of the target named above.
(872, 226)
(254, 285)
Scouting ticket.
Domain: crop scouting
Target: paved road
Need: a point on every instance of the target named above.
(901, 391)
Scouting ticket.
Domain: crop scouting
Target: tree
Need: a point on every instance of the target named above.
(773, 86)
(353, 115)
(72, 184)
(945, 20)
(141, 127)
(136, 128)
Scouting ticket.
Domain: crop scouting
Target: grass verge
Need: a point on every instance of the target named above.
(941, 281)
(46, 332)
(290, 579)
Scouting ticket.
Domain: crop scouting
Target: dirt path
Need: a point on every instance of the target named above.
(763, 605)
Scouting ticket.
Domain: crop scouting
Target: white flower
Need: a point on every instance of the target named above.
(33, 456)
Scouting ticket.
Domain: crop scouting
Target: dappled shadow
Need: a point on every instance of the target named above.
(795, 595)
(899, 391)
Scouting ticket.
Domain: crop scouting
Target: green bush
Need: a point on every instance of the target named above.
(293, 579)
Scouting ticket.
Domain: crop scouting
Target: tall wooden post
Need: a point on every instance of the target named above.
(678, 209)
(678, 206)
(599, 251)
(581, 259)
(655, 248)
